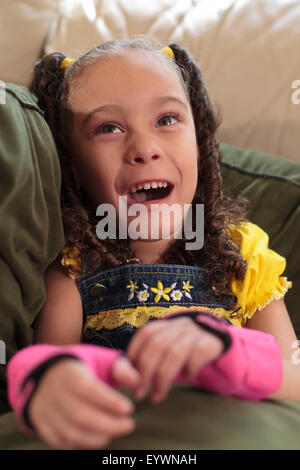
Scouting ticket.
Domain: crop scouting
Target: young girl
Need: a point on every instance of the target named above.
(136, 121)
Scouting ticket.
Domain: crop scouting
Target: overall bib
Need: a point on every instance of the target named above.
(119, 300)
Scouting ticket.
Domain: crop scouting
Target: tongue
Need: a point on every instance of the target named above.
(140, 197)
(150, 194)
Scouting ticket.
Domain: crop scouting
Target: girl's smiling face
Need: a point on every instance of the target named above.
(131, 124)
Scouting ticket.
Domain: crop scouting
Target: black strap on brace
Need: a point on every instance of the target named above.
(36, 375)
(225, 337)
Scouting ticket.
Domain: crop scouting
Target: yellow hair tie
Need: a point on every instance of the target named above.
(67, 62)
(168, 51)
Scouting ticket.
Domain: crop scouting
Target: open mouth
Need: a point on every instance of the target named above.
(150, 192)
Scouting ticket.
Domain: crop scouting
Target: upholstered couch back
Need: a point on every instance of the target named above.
(248, 50)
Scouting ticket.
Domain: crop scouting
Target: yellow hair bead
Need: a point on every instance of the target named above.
(168, 51)
(67, 62)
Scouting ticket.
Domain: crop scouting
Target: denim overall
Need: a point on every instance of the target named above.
(133, 290)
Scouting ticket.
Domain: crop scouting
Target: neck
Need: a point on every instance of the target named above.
(149, 252)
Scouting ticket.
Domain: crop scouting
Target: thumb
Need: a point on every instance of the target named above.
(124, 373)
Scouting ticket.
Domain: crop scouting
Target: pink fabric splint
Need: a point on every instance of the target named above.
(98, 359)
(251, 368)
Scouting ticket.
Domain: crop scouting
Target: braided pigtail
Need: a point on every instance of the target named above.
(220, 255)
(46, 85)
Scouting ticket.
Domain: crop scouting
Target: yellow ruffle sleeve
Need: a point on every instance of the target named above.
(71, 259)
(262, 282)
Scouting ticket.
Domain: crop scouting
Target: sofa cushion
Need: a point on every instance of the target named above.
(24, 27)
(31, 232)
(246, 49)
(190, 419)
(272, 184)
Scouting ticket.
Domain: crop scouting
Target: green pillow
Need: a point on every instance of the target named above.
(31, 232)
(191, 419)
(272, 184)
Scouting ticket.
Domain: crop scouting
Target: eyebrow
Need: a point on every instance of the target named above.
(110, 107)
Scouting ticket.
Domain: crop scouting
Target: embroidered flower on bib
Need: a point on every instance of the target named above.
(133, 289)
(161, 292)
(143, 295)
(186, 288)
(176, 295)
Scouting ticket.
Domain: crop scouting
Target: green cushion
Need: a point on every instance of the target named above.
(272, 184)
(31, 232)
(192, 419)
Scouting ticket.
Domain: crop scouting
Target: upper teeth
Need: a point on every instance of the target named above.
(149, 185)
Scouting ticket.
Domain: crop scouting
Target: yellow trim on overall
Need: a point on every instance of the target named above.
(140, 315)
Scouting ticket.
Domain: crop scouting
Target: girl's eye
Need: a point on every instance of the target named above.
(165, 120)
(107, 129)
(168, 119)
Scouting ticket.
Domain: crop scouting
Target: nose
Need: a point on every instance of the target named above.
(142, 148)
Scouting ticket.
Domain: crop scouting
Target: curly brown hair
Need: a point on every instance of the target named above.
(220, 255)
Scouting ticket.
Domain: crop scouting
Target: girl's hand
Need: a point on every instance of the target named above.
(164, 348)
(71, 408)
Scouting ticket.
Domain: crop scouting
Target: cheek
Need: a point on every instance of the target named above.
(191, 157)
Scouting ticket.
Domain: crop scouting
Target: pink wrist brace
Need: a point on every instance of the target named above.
(27, 366)
(250, 366)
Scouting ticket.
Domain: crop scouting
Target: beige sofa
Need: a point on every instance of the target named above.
(248, 50)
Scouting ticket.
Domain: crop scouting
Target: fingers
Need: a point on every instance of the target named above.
(124, 373)
(87, 427)
(174, 361)
(62, 433)
(71, 408)
(152, 344)
(164, 349)
(150, 358)
(90, 389)
(95, 419)
(204, 352)
(190, 354)
(142, 336)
